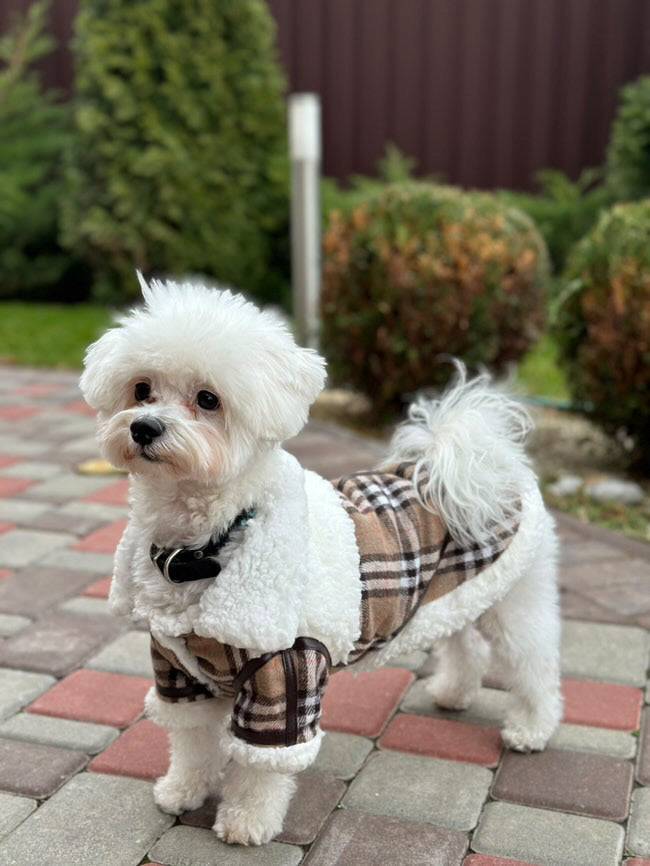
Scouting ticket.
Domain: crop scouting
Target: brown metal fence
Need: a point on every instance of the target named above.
(481, 92)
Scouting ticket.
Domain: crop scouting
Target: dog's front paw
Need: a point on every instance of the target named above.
(238, 827)
(523, 739)
(175, 795)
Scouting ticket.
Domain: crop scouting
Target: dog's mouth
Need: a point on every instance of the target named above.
(148, 456)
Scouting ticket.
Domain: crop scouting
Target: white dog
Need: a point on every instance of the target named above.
(256, 577)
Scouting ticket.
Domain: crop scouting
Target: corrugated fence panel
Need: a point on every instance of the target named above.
(481, 92)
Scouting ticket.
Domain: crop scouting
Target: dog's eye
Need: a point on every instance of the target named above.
(142, 391)
(208, 400)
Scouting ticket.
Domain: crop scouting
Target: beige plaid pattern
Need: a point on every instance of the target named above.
(407, 556)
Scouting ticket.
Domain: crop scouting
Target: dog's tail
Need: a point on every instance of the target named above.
(468, 446)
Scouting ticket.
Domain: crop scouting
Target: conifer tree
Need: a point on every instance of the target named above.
(179, 164)
(34, 130)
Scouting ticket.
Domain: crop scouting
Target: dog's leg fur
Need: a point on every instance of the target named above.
(524, 631)
(196, 761)
(461, 661)
(253, 805)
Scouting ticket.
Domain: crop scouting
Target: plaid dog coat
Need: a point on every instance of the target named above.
(408, 559)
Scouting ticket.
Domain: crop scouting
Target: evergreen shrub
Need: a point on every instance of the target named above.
(179, 164)
(628, 153)
(420, 270)
(602, 323)
(34, 131)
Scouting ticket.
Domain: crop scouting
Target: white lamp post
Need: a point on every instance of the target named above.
(305, 153)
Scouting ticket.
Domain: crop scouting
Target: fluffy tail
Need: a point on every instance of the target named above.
(468, 447)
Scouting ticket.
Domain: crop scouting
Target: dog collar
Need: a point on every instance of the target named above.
(185, 564)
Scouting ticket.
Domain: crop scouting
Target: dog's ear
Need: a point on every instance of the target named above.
(97, 379)
(286, 384)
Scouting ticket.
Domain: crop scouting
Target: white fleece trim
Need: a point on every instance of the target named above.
(282, 759)
(179, 716)
(465, 604)
(256, 601)
(332, 601)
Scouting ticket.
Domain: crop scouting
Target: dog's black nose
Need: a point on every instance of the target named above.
(145, 430)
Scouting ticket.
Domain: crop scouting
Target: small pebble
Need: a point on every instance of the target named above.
(615, 490)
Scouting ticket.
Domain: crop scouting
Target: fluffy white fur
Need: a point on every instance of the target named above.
(295, 569)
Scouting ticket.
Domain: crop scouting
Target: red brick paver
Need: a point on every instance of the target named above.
(11, 486)
(441, 738)
(363, 703)
(637, 861)
(141, 752)
(18, 413)
(94, 696)
(5, 527)
(5, 572)
(100, 589)
(115, 494)
(7, 460)
(102, 540)
(602, 705)
(80, 407)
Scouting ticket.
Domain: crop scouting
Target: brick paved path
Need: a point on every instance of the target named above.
(396, 782)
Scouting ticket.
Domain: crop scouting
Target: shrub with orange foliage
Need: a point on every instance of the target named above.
(421, 270)
(603, 323)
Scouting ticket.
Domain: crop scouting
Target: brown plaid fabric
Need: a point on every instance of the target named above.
(407, 556)
(407, 559)
(277, 695)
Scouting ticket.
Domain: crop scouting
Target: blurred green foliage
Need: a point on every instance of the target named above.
(601, 319)
(628, 153)
(179, 159)
(418, 270)
(34, 130)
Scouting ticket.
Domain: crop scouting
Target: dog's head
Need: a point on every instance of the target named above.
(196, 382)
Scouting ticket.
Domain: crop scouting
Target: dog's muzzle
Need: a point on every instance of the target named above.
(145, 430)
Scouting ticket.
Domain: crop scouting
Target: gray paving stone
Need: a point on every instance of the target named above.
(94, 820)
(14, 445)
(547, 838)
(33, 590)
(192, 846)
(99, 511)
(341, 755)
(14, 810)
(638, 829)
(87, 606)
(489, 706)
(38, 471)
(57, 643)
(611, 653)
(20, 547)
(50, 731)
(66, 486)
(353, 838)
(19, 688)
(34, 770)
(80, 560)
(600, 741)
(10, 624)
(446, 793)
(20, 511)
(316, 797)
(128, 654)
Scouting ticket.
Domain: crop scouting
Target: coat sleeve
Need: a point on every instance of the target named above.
(277, 707)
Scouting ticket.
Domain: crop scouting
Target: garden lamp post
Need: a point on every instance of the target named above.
(305, 154)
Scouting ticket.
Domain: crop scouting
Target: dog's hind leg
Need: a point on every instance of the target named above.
(461, 661)
(524, 632)
(253, 805)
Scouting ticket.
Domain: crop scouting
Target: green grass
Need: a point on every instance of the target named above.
(49, 335)
(540, 375)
